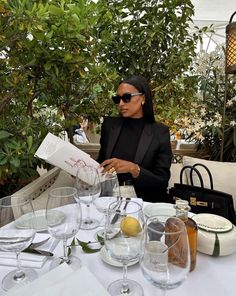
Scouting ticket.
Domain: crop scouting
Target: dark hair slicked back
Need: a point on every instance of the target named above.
(142, 86)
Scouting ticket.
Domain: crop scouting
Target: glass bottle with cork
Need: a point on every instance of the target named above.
(182, 208)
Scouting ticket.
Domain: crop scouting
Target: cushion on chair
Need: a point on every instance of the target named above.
(63, 180)
(175, 170)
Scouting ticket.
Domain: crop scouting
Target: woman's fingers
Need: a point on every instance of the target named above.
(119, 165)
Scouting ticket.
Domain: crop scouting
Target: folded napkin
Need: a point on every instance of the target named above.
(28, 259)
(62, 281)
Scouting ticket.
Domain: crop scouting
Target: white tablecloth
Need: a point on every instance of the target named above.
(212, 276)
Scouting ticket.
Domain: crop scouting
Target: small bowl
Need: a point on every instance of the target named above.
(159, 209)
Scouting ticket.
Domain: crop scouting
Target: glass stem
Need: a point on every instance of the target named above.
(125, 286)
(88, 213)
(107, 225)
(19, 275)
(65, 257)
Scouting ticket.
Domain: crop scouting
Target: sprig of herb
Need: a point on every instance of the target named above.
(86, 246)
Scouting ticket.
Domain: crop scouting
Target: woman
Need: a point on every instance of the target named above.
(133, 145)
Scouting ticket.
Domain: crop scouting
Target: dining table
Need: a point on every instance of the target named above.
(211, 276)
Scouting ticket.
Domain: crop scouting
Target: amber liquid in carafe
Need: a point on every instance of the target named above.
(182, 209)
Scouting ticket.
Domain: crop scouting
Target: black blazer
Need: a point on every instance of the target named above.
(153, 155)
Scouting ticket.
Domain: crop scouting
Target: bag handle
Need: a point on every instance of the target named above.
(208, 172)
(191, 178)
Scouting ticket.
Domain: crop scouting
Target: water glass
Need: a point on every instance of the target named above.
(165, 259)
(17, 231)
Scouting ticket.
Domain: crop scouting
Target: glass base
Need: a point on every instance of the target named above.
(89, 224)
(11, 281)
(73, 262)
(100, 234)
(133, 288)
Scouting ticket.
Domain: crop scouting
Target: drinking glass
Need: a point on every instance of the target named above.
(110, 192)
(123, 242)
(89, 188)
(17, 231)
(165, 259)
(63, 215)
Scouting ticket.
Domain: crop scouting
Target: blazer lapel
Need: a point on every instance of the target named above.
(114, 133)
(144, 142)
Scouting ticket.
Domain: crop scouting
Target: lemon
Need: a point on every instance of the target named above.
(130, 226)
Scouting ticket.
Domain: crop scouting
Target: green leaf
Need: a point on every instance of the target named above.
(29, 142)
(89, 250)
(100, 240)
(82, 243)
(4, 134)
(55, 10)
(86, 246)
(3, 160)
(15, 162)
(74, 242)
(69, 251)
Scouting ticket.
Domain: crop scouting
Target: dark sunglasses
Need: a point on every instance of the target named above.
(126, 98)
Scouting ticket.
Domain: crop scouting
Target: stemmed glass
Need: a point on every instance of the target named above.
(63, 215)
(165, 259)
(123, 242)
(17, 231)
(89, 188)
(110, 192)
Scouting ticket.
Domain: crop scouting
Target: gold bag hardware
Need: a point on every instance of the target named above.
(194, 202)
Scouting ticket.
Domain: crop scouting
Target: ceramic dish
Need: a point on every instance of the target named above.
(216, 235)
(159, 209)
(109, 260)
(56, 217)
(213, 223)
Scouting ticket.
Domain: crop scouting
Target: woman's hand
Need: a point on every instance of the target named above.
(120, 166)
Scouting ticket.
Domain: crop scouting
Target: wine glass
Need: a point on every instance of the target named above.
(17, 231)
(123, 242)
(89, 187)
(63, 216)
(110, 192)
(165, 259)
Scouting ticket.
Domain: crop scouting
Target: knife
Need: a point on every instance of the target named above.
(116, 216)
(38, 244)
(39, 252)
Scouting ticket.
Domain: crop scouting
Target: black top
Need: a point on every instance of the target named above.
(150, 148)
(127, 143)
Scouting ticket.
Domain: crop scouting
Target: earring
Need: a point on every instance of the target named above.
(143, 102)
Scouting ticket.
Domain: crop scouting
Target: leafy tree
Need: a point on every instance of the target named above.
(61, 59)
(48, 62)
(152, 38)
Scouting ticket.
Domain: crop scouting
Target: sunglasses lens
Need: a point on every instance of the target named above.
(126, 98)
(116, 99)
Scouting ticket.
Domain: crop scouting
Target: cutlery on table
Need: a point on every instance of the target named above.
(38, 244)
(38, 252)
(116, 216)
(32, 248)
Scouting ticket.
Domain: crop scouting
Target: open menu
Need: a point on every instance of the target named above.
(64, 155)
